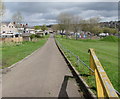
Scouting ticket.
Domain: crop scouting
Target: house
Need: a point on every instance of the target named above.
(11, 29)
(21, 27)
(30, 30)
(8, 28)
(40, 33)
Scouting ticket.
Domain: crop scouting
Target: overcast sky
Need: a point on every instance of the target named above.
(37, 13)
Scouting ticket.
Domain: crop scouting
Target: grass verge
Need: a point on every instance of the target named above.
(14, 52)
(106, 51)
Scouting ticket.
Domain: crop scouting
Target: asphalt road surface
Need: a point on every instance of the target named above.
(43, 74)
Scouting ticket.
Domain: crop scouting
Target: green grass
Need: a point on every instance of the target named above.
(110, 39)
(107, 52)
(14, 52)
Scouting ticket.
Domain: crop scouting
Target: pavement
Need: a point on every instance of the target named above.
(44, 74)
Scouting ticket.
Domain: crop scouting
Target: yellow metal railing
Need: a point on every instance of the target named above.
(104, 86)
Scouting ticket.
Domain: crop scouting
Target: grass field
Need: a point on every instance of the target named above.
(14, 52)
(107, 52)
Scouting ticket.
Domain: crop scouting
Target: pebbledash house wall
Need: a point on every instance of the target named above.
(10, 28)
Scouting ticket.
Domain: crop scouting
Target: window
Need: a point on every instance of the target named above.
(9, 26)
(12, 26)
(3, 31)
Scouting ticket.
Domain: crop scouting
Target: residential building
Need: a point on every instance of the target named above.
(11, 29)
(8, 28)
(30, 30)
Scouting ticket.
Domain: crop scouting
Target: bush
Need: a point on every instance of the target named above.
(32, 36)
(110, 38)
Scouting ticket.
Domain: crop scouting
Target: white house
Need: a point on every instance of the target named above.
(30, 30)
(8, 28)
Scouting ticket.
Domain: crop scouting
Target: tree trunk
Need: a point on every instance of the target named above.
(76, 36)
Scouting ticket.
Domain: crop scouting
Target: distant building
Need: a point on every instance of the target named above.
(8, 28)
(26, 36)
(30, 30)
(11, 29)
(40, 33)
(111, 24)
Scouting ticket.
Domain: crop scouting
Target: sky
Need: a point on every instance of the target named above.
(38, 13)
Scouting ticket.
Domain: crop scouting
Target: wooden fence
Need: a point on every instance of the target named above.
(104, 86)
(17, 39)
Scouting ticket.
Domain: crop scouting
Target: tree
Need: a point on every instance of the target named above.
(43, 27)
(96, 30)
(2, 8)
(32, 36)
(110, 30)
(17, 17)
(61, 22)
(113, 31)
(55, 27)
(90, 25)
(106, 30)
(93, 22)
(84, 25)
(37, 27)
(76, 24)
(64, 21)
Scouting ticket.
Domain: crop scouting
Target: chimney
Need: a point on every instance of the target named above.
(13, 22)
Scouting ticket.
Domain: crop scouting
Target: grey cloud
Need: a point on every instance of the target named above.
(108, 6)
(47, 12)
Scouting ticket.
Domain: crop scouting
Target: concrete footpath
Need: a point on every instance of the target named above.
(44, 74)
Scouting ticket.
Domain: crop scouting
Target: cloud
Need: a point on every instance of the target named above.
(46, 13)
(61, 0)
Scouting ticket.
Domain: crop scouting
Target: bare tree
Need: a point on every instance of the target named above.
(90, 24)
(64, 21)
(76, 24)
(2, 8)
(55, 27)
(17, 17)
(93, 22)
(2, 11)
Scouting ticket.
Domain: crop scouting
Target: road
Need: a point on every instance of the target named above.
(44, 74)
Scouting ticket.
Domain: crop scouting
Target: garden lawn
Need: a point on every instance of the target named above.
(14, 52)
(107, 52)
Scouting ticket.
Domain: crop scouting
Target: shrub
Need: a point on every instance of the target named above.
(110, 38)
(32, 36)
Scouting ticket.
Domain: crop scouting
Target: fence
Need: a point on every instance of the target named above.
(104, 86)
(17, 39)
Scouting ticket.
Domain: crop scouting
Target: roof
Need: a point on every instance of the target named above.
(5, 23)
(19, 25)
(40, 32)
(15, 24)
